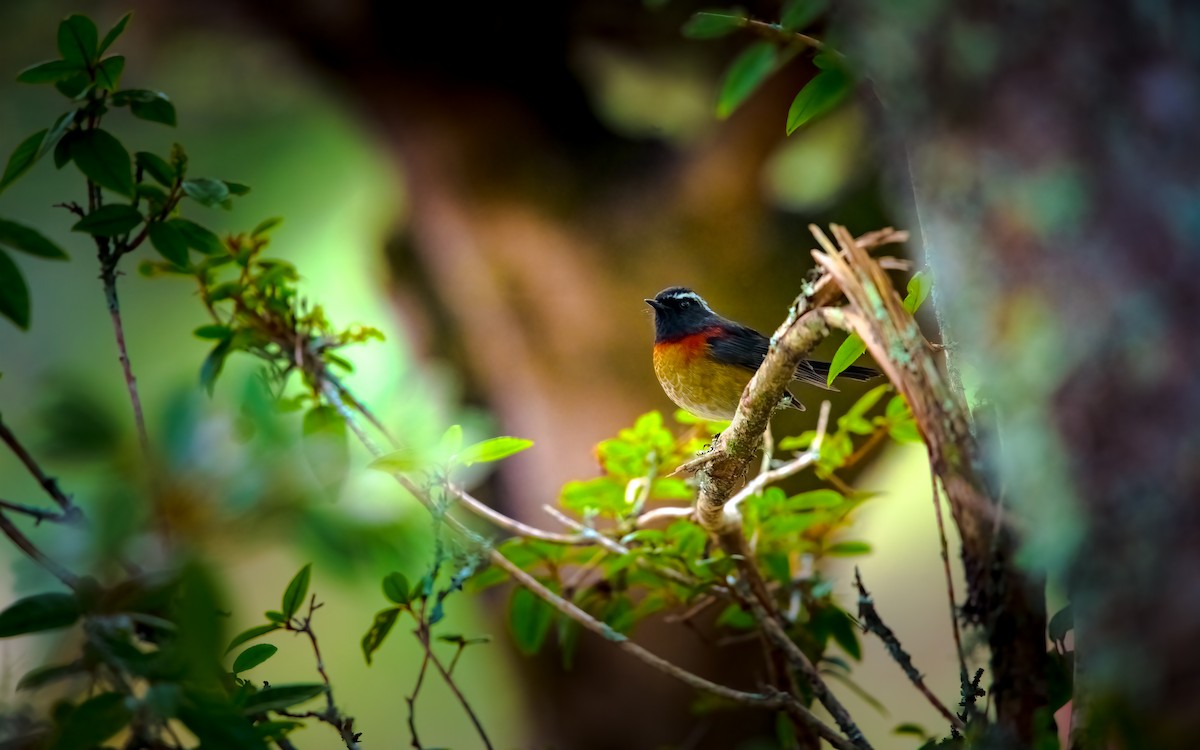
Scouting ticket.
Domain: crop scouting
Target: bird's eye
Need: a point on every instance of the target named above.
(684, 305)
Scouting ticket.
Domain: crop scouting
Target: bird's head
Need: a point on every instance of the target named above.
(679, 312)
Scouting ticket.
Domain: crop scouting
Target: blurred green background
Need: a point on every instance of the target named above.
(257, 106)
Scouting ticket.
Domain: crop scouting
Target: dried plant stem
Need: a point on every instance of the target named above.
(945, 551)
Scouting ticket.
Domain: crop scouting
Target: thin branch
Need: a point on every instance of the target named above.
(412, 700)
(29, 548)
(945, 550)
(49, 484)
(780, 34)
(658, 514)
(514, 526)
(873, 623)
(798, 464)
(423, 635)
(331, 716)
(108, 275)
(38, 514)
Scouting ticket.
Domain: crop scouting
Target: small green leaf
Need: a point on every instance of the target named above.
(396, 588)
(1062, 622)
(401, 461)
(109, 221)
(281, 696)
(250, 634)
(114, 32)
(28, 240)
(293, 597)
(815, 499)
(198, 237)
(62, 149)
(49, 72)
(157, 109)
(23, 157)
(380, 627)
(493, 449)
(212, 331)
(93, 721)
(156, 167)
(530, 619)
(918, 290)
(39, 612)
(850, 350)
(451, 440)
(108, 72)
(253, 656)
(169, 242)
(46, 675)
(745, 74)
(77, 40)
(912, 730)
(266, 225)
(848, 549)
(55, 134)
(76, 87)
(206, 191)
(213, 364)
(819, 95)
(710, 24)
(236, 188)
(797, 14)
(103, 159)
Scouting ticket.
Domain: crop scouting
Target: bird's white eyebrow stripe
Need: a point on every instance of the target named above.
(690, 295)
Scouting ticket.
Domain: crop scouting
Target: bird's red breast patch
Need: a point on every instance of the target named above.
(686, 347)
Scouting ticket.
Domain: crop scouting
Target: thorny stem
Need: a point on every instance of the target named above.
(49, 484)
(873, 623)
(108, 274)
(29, 548)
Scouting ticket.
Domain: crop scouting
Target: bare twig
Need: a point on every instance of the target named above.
(873, 623)
(49, 484)
(945, 551)
(411, 700)
(423, 636)
(514, 526)
(331, 715)
(665, 512)
(29, 548)
(796, 465)
(38, 514)
(108, 275)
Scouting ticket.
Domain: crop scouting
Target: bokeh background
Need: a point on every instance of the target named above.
(497, 189)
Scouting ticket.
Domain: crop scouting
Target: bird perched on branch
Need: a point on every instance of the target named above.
(704, 361)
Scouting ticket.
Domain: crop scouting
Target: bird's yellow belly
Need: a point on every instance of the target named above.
(703, 387)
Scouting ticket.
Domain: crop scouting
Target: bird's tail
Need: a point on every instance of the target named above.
(815, 373)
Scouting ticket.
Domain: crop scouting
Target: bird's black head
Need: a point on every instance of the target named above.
(680, 312)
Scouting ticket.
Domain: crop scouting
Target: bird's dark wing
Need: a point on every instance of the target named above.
(738, 345)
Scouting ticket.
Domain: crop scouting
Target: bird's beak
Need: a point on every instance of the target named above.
(653, 303)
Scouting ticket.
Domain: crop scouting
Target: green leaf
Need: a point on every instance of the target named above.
(104, 160)
(530, 619)
(326, 447)
(236, 188)
(815, 499)
(293, 597)
(22, 158)
(253, 656)
(198, 237)
(212, 331)
(169, 242)
(39, 612)
(109, 221)
(745, 74)
(157, 109)
(46, 675)
(114, 32)
(918, 289)
(910, 729)
(265, 226)
(396, 588)
(841, 627)
(156, 167)
(848, 549)
(850, 350)
(250, 634)
(93, 721)
(213, 364)
(451, 440)
(49, 72)
(55, 134)
(62, 149)
(401, 461)
(206, 191)
(797, 14)
(380, 627)
(281, 696)
(710, 24)
(493, 449)
(14, 293)
(76, 87)
(77, 40)
(819, 95)
(28, 240)
(108, 72)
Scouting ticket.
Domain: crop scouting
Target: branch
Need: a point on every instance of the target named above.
(49, 484)
(873, 623)
(108, 275)
(331, 716)
(29, 548)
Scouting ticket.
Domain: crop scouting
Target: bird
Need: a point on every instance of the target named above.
(704, 361)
